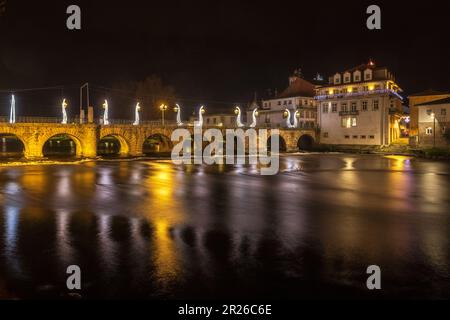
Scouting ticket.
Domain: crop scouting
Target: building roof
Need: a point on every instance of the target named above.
(434, 102)
(298, 88)
(361, 67)
(429, 92)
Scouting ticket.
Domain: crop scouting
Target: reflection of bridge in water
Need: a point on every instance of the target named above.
(86, 140)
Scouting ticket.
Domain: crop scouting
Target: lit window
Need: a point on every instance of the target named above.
(353, 107)
(334, 107)
(354, 122)
(325, 134)
(344, 107)
(325, 108)
(429, 131)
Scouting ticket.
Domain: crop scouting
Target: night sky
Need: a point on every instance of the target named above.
(216, 52)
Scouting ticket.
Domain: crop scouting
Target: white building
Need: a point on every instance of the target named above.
(360, 106)
(434, 123)
(298, 96)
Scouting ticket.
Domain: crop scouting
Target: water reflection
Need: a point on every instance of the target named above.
(152, 229)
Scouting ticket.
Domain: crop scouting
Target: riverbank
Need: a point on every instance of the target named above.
(429, 154)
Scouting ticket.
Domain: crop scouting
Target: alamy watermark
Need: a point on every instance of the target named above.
(231, 149)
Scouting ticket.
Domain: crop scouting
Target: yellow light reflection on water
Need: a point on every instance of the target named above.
(399, 162)
(163, 212)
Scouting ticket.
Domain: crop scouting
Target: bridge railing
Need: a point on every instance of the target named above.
(156, 123)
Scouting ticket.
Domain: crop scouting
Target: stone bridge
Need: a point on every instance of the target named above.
(131, 137)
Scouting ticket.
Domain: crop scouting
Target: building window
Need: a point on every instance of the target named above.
(363, 137)
(215, 121)
(354, 122)
(375, 105)
(357, 78)
(347, 79)
(354, 106)
(344, 122)
(325, 108)
(355, 89)
(344, 107)
(279, 103)
(371, 137)
(325, 134)
(364, 105)
(334, 107)
(444, 130)
(429, 131)
(290, 102)
(284, 102)
(355, 137)
(443, 112)
(347, 137)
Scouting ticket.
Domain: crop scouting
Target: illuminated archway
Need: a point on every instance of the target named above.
(305, 142)
(157, 144)
(11, 146)
(62, 146)
(281, 144)
(111, 145)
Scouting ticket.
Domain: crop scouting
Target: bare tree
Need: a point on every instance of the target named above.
(150, 93)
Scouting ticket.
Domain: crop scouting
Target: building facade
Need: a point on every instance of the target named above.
(360, 106)
(297, 97)
(421, 98)
(434, 123)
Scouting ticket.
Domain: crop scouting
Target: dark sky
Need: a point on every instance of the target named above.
(219, 50)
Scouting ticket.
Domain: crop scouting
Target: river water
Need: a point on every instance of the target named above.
(150, 229)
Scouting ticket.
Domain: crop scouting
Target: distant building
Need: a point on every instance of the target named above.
(360, 106)
(298, 96)
(434, 123)
(217, 119)
(420, 98)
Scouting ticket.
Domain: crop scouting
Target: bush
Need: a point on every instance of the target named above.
(447, 135)
(436, 153)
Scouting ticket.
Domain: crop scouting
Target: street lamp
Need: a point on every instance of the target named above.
(433, 116)
(64, 113)
(163, 108)
(177, 109)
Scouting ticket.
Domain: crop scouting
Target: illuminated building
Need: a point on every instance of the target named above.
(360, 106)
(298, 96)
(434, 123)
(421, 98)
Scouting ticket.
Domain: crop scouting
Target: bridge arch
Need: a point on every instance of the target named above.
(124, 145)
(305, 142)
(46, 141)
(282, 142)
(157, 142)
(12, 145)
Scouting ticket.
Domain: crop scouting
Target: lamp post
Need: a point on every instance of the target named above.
(433, 115)
(64, 113)
(177, 109)
(163, 108)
